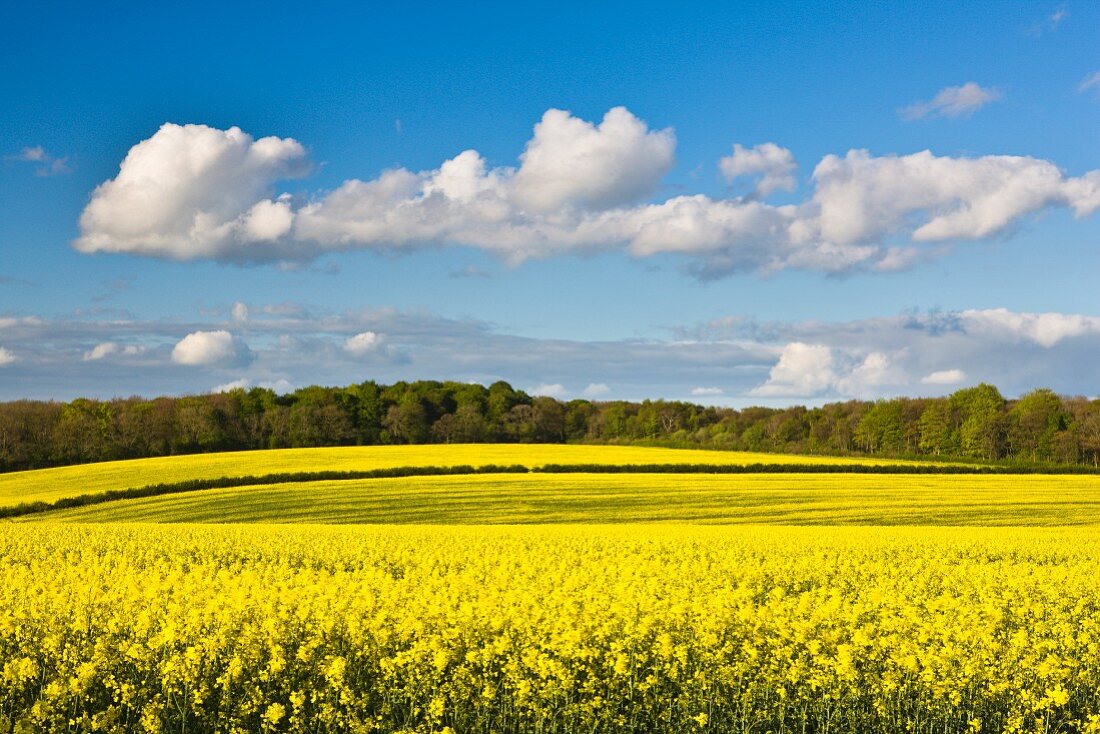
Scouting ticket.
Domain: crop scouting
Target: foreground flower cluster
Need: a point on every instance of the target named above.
(548, 629)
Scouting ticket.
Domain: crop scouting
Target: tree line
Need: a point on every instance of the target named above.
(973, 423)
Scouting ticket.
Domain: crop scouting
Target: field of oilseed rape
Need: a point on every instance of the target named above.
(64, 481)
(548, 628)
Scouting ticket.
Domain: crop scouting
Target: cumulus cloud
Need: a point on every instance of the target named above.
(110, 349)
(869, 377)
(562, 198)
(195, 192)
(553, 390)
(808, 370)
(210, 348)
(702, 392)
(862, 198)
(6, 357)
(571, 162)
(944, 377)
(773, 167)
(596, 390)
(362, 343)
(1044, 329)
(802, 369)
(953, 102)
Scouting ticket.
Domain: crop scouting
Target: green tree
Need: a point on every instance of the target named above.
(519, 424)
(981, 417)
(578, 416)
(549, 419)
(1088, 430)
(1033, 423)
(937, 438)
(880, 429)
(408, 421)
(369, 411)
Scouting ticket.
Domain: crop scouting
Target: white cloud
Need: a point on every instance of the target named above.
(869, 377)
(596, 390)
(195, 192)
(802, 370)
(242, 383)
(1092, 81)
(280, 386)
(898, 258)
(210, 348)
(268, 220)
(1044, 329)
(45, 164)
(101, 350)
(31, 155)
(706, 391)
(944, 377)
(571, 162)
(774, 166)
(808, 370)
(953, 102)
(6, 357)
(109, 349)
(549, 391)
(874, 357)
(362, 343)
(863, 199)
(239, 312)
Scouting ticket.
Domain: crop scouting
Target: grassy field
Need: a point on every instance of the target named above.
(796, 499)
(47, 485)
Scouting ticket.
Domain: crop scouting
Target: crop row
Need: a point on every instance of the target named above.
(194, 485)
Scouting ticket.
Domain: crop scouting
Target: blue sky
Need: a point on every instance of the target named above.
(641, 257)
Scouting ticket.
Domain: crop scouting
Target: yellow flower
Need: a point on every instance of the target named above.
(273, 715)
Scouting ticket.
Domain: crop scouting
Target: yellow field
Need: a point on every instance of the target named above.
(47, 485)
(553, 628)
(549, 603)
(798, 499)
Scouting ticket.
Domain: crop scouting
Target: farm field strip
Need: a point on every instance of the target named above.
(503, 629)
(47, 485)
(793, 499)
(670, 470)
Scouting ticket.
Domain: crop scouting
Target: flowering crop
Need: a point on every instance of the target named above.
(48, 485)
(794, 499)
(630, 628)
